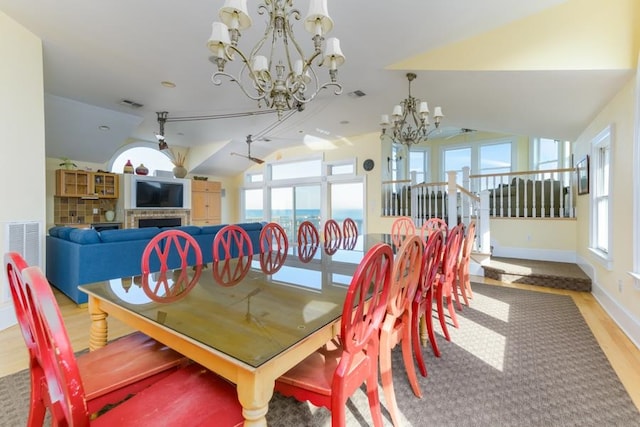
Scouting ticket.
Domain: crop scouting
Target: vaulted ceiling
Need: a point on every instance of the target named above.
(541, 68)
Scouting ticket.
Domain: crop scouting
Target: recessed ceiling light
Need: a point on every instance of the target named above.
(344, 122)
(168, 84)
(104, 128)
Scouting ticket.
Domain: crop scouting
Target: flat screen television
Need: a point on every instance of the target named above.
(159, 194)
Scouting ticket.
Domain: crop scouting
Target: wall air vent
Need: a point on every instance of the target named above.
(131, 104)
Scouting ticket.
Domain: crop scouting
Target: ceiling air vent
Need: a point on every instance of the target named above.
(357, 94)
(131, 104)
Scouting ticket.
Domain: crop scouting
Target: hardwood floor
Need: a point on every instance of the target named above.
(623, 355)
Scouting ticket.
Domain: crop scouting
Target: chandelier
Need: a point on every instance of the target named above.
(276, 71)
(410, 120)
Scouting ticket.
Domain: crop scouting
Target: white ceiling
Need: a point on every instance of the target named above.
(98, 53)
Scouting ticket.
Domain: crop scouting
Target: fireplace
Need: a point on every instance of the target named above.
(137, 218)
(159, 222)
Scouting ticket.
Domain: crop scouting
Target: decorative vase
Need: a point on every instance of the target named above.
(128, 167)
(109, 215)
(179, 171)
(142, 170)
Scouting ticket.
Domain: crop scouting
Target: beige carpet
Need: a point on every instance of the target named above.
(520, 358)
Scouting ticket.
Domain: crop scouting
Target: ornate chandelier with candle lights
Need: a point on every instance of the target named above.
(276, 72)
(409, 122)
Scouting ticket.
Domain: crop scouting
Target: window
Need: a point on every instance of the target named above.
(550, 154)
(495, 158)
(419, 163)
(454, 160)
(600, 236)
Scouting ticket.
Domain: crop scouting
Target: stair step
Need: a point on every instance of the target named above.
(559, 275)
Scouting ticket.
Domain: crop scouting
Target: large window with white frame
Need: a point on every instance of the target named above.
(488, 157)
(304, 189)
(419, 163)
(600, 171)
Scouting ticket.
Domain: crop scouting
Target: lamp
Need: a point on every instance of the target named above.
(409, 122)
(162, 119)
(277, 73)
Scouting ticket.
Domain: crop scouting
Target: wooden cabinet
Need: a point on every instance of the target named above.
(205, 202)
(72, 183)
(105, 185)
(75, 183)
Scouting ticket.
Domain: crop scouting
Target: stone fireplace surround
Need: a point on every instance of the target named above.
(133, 216)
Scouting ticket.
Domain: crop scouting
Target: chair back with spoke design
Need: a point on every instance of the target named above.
(463, 280)
(63, 389)
(402, 228)
(396, 328)
(421, 320)
(170, 249)
(274, 247)
(447, 276)
(349, 228)
(232, 241)
(332, 231)
(431, 225)
(308, 234)
(333, 373)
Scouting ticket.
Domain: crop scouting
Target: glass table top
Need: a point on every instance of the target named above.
(251, 311)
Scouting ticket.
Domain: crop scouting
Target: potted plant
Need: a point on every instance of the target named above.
(178, 159)
(67, 163)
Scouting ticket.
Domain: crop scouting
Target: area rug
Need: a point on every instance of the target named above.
(519, 358)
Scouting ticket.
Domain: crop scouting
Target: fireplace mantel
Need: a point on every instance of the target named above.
(132, 216)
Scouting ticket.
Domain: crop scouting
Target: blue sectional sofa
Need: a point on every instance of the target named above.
(79, 256)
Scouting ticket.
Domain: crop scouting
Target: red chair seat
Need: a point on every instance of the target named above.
(125, 366)
(192, 396)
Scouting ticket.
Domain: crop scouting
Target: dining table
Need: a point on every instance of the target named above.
(249, 322)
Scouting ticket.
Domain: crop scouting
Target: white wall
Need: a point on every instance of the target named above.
(22, 167)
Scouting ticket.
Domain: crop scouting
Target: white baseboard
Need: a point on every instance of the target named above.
(535, 254)
(625, 320)
(7, 317)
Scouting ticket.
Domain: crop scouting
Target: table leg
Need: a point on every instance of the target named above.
(254, 392)
(99, 328)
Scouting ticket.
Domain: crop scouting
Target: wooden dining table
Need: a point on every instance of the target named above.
(249, 326)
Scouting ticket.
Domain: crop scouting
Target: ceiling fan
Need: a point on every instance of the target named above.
(461, 131)
(248, 155)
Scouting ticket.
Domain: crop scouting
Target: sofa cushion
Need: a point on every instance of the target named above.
(210, 229)
(84, 236)
(194, 230)
(128, 234)
(251, 226)
(64, 232)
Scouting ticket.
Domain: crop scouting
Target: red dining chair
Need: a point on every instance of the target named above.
(447, 276)
(274, 247)
(232, 241)
(230, 271)
(421, 319)
(308, 234)
(190, 395)
(431, 225)
(333, 373)
(332, 230)
(349, 228)
(125, 366)
(168, 244)
(307, 252)
(402, 228)
(396, 328)
(463, 279)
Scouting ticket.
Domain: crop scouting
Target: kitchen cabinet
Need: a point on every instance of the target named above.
(72, 183)
(77, 183)
(105, 185)
(206, 202)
